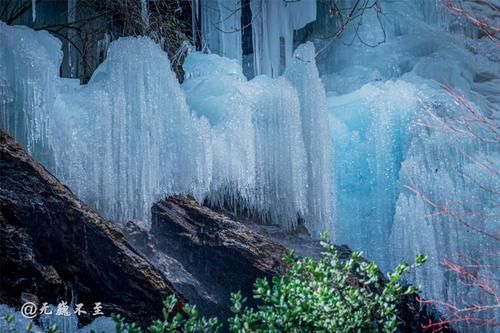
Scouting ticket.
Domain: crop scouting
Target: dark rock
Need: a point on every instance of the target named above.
(50, 242)
(218, 251)
(137, 233)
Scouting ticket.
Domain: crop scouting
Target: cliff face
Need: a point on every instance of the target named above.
(53, 245)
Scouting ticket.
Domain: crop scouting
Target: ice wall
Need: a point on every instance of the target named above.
(406, 183)
(129, 136)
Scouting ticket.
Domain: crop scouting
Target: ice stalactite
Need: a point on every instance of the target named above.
(125, 138)
(145, 13)
(29, 83)
(221, 27)
(273, 25)
(72, 52)
(251, 121)
(303, 74)
(33, 10)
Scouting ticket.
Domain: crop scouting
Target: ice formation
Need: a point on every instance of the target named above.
(253, 121)
(33, 10)
(303, 74)
(273, 26)
(145, 12)
(221, 27)
(29, 78)
(264, 145)
(402, 176)
(129, 136)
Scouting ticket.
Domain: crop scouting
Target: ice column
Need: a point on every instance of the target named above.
(221, 27)
(304, 76)
(273, 25)
(29, 79)
(126, 137)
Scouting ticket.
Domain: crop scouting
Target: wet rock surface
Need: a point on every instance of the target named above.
(218, 251)
(53, 246)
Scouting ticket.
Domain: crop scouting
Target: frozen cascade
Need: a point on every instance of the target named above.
(251, 122)
(29, 82)
(127, 137)
(387, 112)
(273, 25)
(303, 74)
(221, 27)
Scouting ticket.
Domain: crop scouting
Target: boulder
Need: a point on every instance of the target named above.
(53, 246)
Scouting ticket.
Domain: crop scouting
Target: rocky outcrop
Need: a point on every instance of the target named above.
(53, 245)
(218, 251)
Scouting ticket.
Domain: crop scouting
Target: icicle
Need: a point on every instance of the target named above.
(195, 10)
(273, 24)
(303, 74)
(33, 10)
(145, 13)
(72, 55)
(221, 27)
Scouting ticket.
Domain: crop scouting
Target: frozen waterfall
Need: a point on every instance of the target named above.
(133, 134)
(375, 151)
(416, 170)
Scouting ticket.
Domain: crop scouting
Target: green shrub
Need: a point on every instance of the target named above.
(324, 296)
